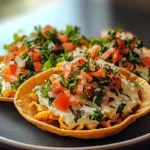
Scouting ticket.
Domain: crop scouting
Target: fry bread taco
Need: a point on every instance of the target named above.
(30, 55)
(83, 98)
(124, 50)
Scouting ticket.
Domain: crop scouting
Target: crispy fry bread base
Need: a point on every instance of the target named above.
(22, 101)
(4, 98)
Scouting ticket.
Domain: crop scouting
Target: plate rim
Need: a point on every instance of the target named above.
(16, 144)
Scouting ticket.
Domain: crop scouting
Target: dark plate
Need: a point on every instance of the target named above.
(92, 16)
(17, 132)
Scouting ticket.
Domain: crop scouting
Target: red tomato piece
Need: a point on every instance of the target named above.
(13, 69)
(121, 44)
(115, 84)
(62, 102)
(63, 38)
(107, 54)
(36, 56)
(115, 56)
(37, 66)
(147, 62)
(68, 46)
(100, 73)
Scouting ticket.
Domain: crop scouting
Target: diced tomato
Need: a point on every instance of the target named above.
(7, 78)
(15, 48)
(115, 83)
(63, 38)
(36, 56)
(62, 102)
(87, 76)
(89, 92)
(58, 89)
(107, 54)
(80, 62)
(121, 44)
(120, 57)
(37, 66)
(46, 29)
(100, 72)
(124, 51)
(115, 56)
(10, 56)
(79, 90)
(94, 51)
(132, 44)
(67, 92)
(21, 51)
(13, 69)
(147, 62)
(92, 68)
(68, 46)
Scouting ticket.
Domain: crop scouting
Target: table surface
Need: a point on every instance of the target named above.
(91, 16)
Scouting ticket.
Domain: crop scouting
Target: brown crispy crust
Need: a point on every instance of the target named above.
(21, 103)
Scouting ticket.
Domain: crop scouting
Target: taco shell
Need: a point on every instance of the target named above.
(22, 101)
(4, 98)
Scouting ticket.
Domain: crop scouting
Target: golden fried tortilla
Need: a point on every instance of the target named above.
(22, 102)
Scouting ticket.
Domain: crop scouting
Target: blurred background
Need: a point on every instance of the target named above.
(91, 15)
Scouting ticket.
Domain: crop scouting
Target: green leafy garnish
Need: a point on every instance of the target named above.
(98, 115)
(112, 106)
(121, 107)
(29, 64)
(111, 99)
(0, 87)
(24, 56)
(77, 113)
(45, 88)
(74, 34)
(84, 96)
(97, 97)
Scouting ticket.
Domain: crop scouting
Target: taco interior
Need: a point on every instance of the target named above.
(95, 116)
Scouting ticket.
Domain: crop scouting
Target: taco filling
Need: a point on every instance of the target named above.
(86, 94)
(124, 50)
(29, 55)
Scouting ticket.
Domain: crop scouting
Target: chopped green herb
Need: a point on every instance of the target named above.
(112, 106)
(84, 96)
(29, 64)
(24, 56)
(139, 44)
(111, 99)
(114, 91)
(72, 83)
(77, 113)
(112, 33)
(0, 87)
(133, 57)
(97, 97)
(51, 99)
(63, 81)
(115, 69)
(120, 90)
(45, 88)
(121, 107)
(97, 115)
